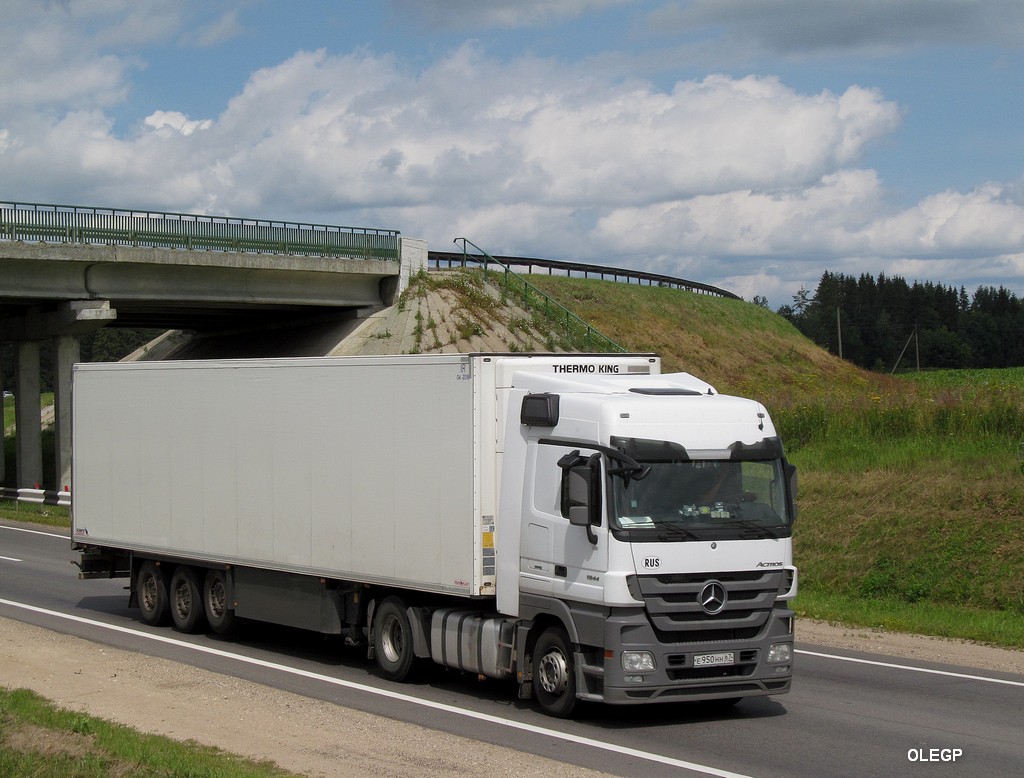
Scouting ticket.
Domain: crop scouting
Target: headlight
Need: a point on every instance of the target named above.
(638, 661)
(780, 653)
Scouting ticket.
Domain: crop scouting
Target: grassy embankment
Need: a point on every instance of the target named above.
(38, 739)
(911, 488)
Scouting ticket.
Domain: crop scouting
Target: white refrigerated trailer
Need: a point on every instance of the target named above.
(582, 524)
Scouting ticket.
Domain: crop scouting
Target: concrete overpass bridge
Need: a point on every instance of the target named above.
(240, 287)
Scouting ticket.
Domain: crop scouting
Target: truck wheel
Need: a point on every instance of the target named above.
(554, 675)
(392, 640)
(186, 600)
(219, 613)
(151, 591)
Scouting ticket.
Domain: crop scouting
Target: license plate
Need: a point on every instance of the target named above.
(707, 660)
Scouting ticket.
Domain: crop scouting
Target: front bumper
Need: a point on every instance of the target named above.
(675, 678)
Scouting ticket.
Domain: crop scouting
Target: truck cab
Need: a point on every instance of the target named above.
(655, 541)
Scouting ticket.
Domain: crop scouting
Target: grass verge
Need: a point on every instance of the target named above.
(49, 515)
(40, 739)
(995, 628)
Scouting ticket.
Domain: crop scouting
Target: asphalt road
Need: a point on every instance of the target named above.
(848, 714)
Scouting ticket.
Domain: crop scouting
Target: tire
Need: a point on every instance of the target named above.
(151, 592)
(392, 641)
(216, 606)
(186, 602)
(554, 673)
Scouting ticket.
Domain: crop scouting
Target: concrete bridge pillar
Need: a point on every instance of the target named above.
(3, 427)
(67, 350)
(64, 326)
(27, 410)
(414, 259)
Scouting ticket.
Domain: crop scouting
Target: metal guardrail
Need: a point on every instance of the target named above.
(583, 270)
(122, 227)
(37, 496)
(531, 298)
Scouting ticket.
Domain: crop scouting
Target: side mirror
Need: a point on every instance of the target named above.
(791, 490)
(581, 491)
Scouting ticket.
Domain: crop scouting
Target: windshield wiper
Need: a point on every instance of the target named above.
(751, 529)
(669, 531)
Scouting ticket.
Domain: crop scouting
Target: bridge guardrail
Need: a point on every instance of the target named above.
(123, 227)
(37, 496)
(583, 270)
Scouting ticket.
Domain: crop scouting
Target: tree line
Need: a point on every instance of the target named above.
(873, 319)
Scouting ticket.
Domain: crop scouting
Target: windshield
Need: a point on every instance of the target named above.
(704, 499)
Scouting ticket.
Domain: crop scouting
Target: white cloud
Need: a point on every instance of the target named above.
(75, 54)
(988, 220)
(176, 121)
(359, 130)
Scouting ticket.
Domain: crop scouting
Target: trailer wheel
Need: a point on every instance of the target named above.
(151, 591)
(392, 640)
(186, 600)
(219, 613)
(554, 674)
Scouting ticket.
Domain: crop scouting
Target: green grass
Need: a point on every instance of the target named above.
(49, 515)
(46, 398)
(995, 378)
(984, 626)
(39, 739)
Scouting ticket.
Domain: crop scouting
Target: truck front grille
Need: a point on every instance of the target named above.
(675, 611)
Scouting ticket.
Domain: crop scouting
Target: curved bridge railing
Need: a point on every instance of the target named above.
(446, 259)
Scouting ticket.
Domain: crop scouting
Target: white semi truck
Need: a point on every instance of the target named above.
(582, 524)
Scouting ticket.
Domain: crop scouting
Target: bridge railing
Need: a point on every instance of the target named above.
(441, 259)
(573, 329)
(120, 227)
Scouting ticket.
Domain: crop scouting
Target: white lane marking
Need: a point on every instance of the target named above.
(911, 668)
(584, 741)
(36, 532)
(9, 559)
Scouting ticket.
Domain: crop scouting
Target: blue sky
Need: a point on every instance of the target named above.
(750, 144)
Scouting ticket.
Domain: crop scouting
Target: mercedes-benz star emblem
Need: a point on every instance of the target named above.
(713, 597)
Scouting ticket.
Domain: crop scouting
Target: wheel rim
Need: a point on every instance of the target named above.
(218, 599)
(554, 672)
(392, 639)
(149, 596)
(182, 600)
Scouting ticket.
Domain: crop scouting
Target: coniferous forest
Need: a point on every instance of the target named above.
(879, 318)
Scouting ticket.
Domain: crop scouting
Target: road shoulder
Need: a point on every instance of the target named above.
(299, 734)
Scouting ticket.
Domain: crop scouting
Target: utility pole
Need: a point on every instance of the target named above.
(913, 337)
(839, 330)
